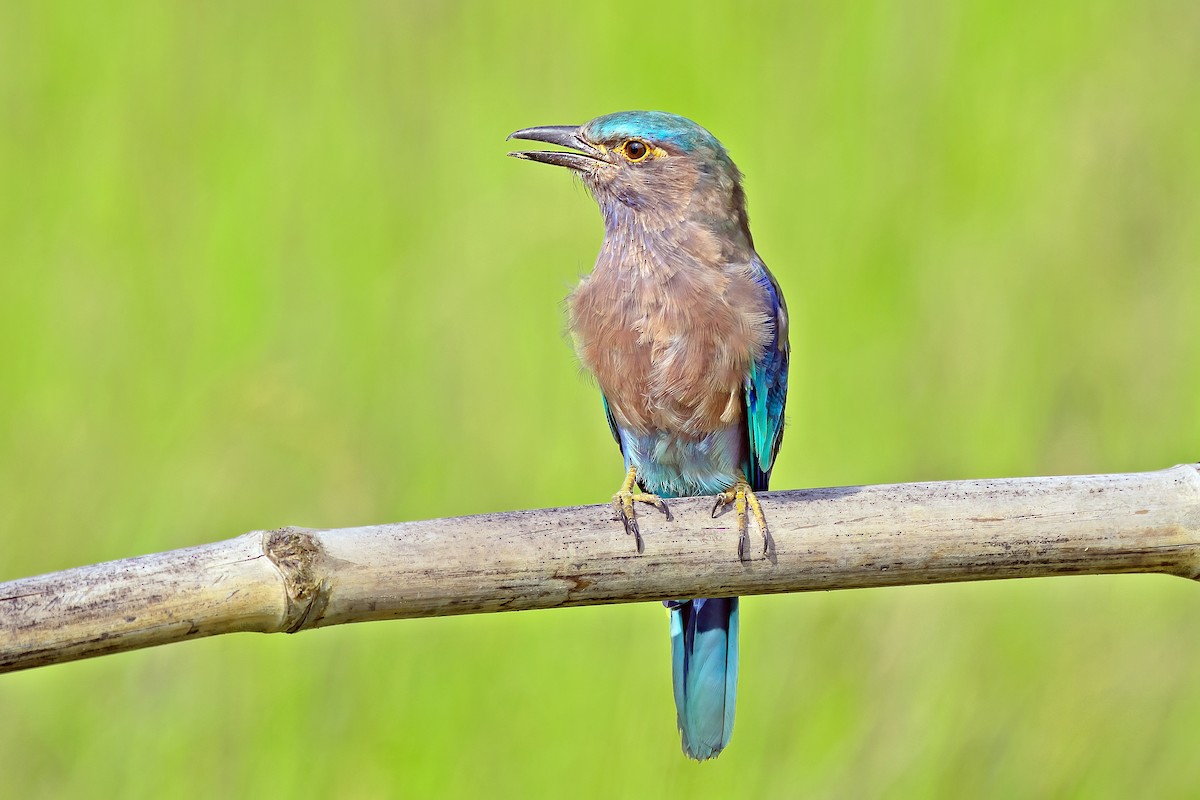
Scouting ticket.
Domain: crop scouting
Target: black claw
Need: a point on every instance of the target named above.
(744, 546)
(717, 505)
(631, 526)
(629, 518)
(768, 543)
(631, 529)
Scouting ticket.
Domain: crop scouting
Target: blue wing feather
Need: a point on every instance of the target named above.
(612, 423)
(766, 388)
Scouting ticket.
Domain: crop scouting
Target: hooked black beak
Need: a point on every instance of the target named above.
(566, 136)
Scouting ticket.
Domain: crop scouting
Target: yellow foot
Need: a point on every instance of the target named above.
(623, 502)
(740, 495)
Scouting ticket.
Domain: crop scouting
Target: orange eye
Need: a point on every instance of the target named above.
(635, 150)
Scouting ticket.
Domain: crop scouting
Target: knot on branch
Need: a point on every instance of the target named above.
(296, 553)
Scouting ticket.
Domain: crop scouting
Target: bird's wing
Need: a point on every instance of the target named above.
(612, 423)
(766, 387)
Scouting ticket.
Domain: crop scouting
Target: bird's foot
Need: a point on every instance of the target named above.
(741, 496)
(623, 501)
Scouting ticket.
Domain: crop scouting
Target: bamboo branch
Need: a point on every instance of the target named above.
(292, 579)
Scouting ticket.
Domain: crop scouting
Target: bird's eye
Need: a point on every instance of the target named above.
(635, 150)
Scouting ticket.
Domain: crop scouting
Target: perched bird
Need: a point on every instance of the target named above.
(685, 331)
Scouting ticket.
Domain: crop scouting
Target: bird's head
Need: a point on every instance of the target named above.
(649, 166)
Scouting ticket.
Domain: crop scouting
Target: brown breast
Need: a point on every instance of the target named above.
(670, 347)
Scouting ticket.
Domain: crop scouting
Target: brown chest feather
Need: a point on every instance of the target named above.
(671, 352)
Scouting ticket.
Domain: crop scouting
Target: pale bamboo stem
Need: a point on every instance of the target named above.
(292, 579)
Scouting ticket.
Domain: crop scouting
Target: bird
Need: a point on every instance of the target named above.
(685, 330)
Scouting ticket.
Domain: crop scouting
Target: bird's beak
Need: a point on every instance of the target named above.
(566, 136)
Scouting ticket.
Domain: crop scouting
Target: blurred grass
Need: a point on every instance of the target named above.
(266, 263)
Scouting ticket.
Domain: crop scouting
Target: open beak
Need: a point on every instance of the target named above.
(565, 136)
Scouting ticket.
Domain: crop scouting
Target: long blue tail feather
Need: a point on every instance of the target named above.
(704, 667)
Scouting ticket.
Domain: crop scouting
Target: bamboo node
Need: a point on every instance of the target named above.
(295, 552)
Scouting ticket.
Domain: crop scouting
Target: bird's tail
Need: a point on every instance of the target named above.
(704, 656)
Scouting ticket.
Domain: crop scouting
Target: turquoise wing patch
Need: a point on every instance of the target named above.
(766, 390)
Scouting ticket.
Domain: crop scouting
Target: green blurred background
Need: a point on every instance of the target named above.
(266, 263)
